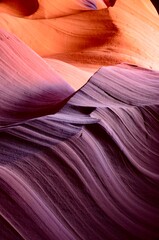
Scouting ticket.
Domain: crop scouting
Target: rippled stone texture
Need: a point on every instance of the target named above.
(79, 133)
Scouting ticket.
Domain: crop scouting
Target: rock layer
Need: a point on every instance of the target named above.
(79, 145)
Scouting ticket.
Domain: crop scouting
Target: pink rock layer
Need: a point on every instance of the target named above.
(79, 140)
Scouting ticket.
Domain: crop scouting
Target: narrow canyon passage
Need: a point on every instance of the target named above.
(79, 120)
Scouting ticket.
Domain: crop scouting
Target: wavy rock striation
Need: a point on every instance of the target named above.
(79, 139)
(28, 86)
(89, 171)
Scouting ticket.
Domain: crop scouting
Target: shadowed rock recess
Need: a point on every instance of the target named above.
(79, 120)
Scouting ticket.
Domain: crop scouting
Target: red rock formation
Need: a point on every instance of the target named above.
(121, 34)
(79, 133)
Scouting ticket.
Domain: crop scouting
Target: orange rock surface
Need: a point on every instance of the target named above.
(79, 120)
(75, 32)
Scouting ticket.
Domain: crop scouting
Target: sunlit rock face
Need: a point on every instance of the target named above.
(79, 120)
(71, 33)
